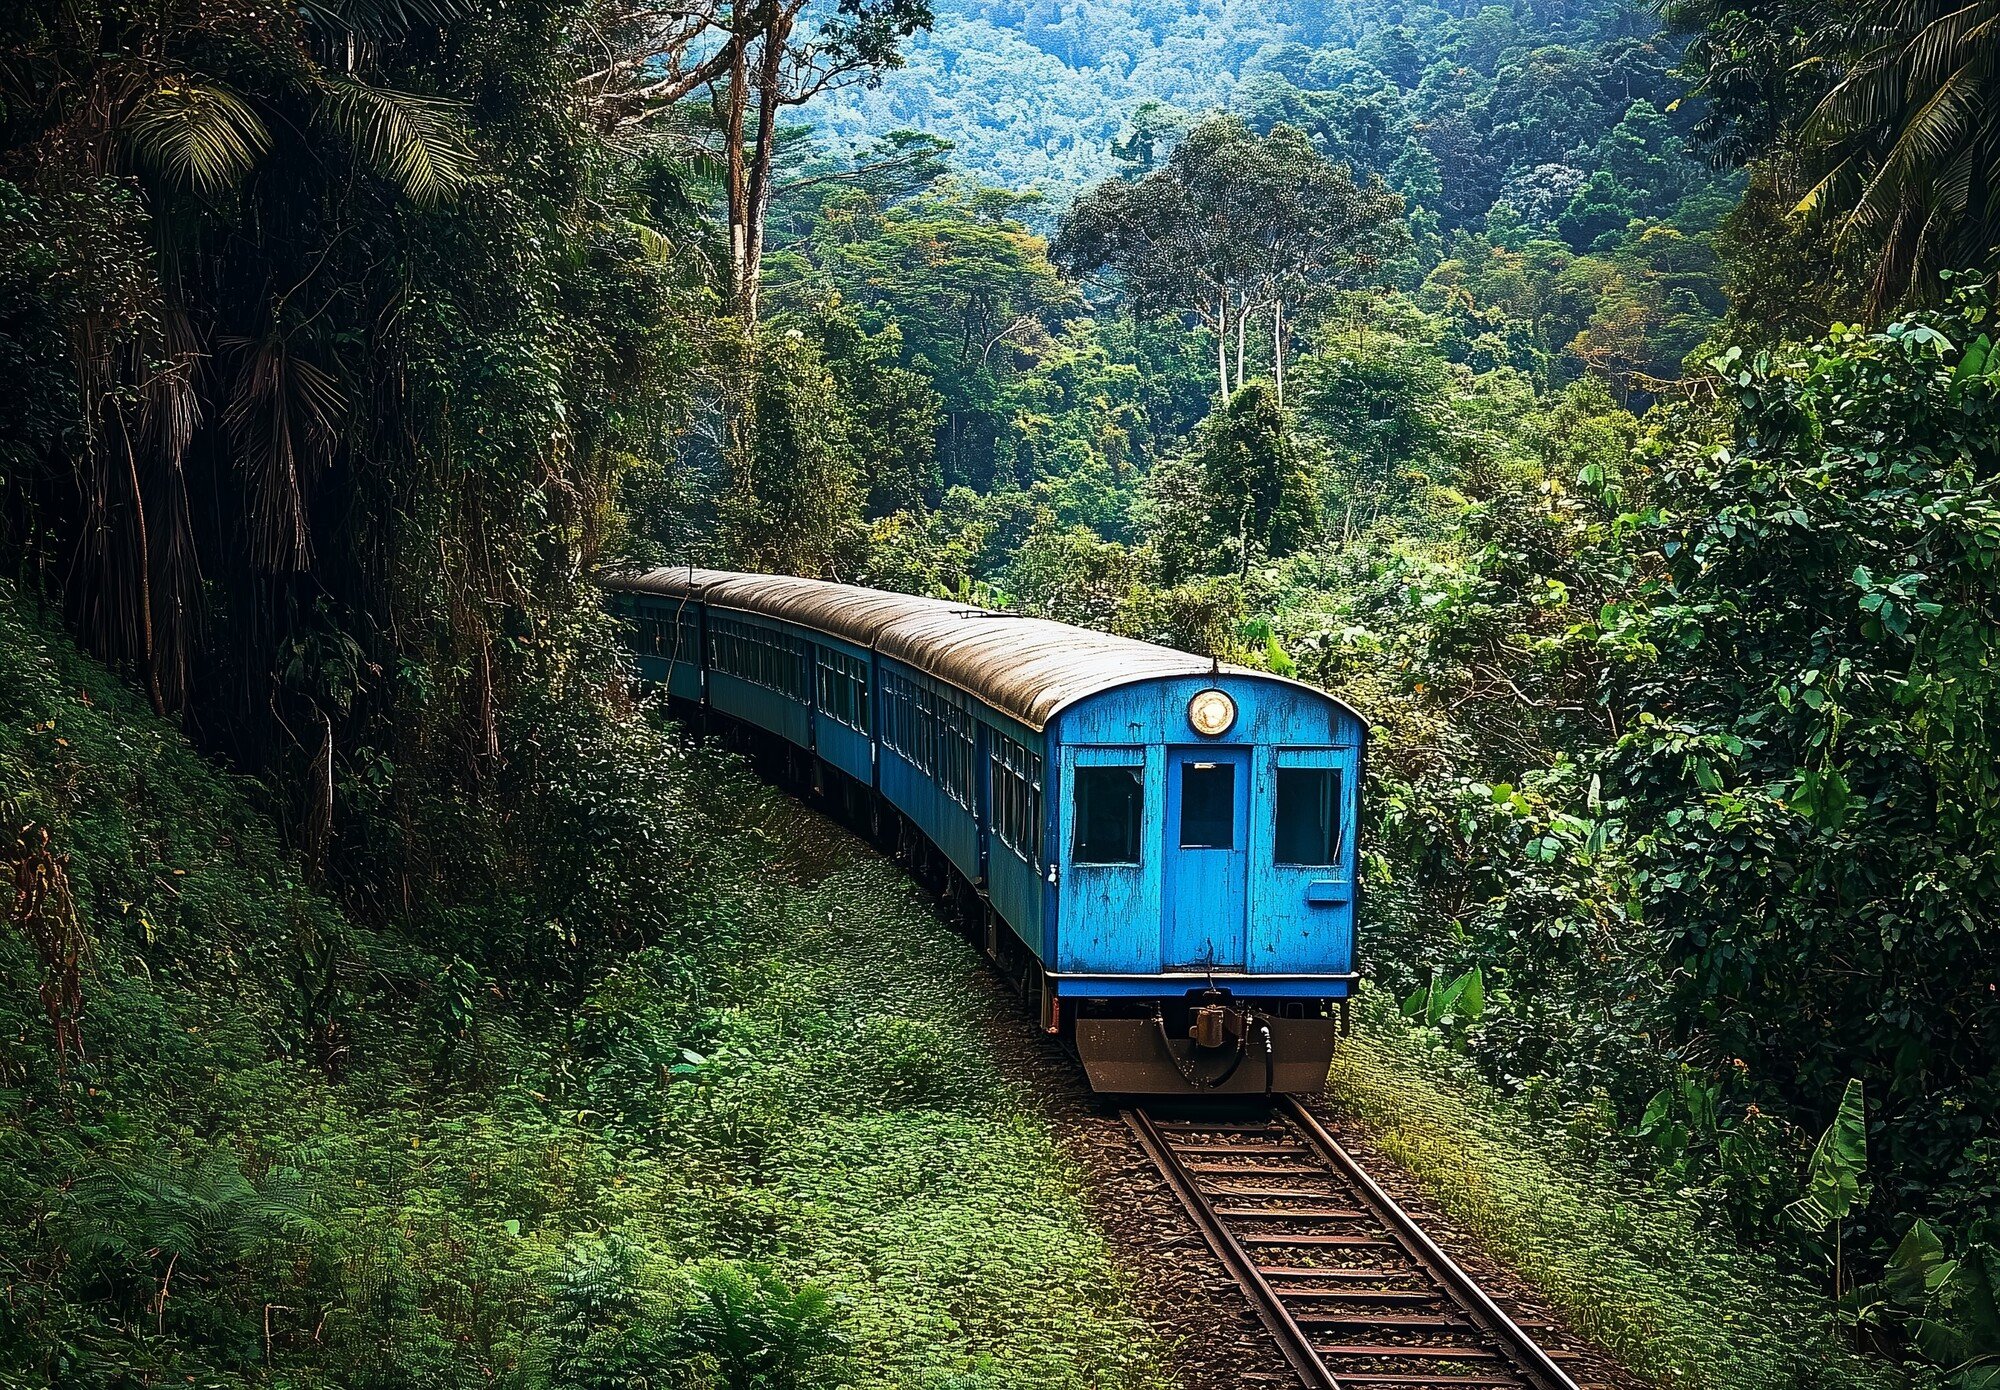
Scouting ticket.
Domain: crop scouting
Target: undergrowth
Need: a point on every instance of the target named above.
(1640, 1272)
(246, 1140)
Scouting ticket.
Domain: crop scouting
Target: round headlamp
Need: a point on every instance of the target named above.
(1211, 712)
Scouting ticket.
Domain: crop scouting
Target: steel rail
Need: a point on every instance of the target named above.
(1291, 1338)
(1527, 1354)
(1291, 1151)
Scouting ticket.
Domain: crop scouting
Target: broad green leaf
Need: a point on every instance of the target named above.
(1917, 1268)
(1834, 1186)
(1414, 1006)
(1975, 359)
(1472, 999)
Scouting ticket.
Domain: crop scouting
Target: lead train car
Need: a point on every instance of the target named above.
(1166, 845)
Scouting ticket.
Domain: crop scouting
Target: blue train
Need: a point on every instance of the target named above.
(1158, 848)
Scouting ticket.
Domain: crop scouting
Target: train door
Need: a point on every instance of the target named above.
(1207, 839)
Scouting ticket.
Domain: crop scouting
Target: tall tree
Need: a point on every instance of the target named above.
(781, 56)
(1260, 495)
(755, 59)
(794, 499)
(969, 286)
(1234, 227)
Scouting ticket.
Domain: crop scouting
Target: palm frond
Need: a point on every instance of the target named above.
(283, 415)
(381, 19)
(1869, 93)
(1928, 136)
(196, 135)
(1941, 44)
(1815, 200)
(417, 143)
(654, 244)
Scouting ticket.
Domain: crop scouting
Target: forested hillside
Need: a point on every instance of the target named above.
(1603, 399)
(1055, 95)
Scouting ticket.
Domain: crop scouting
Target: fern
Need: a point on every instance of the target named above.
(132, 1217)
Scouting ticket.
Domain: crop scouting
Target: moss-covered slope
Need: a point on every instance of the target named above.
(278, 1148)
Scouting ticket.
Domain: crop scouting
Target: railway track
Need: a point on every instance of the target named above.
(1352, 1289)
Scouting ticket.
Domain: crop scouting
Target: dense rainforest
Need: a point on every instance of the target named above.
(1604, 399)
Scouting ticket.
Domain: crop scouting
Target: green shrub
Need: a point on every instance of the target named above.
(746, 1328)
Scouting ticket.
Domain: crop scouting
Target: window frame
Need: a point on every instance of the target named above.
(1135, 759)
(1227, 768)
(1015, 815)
(1336, 763)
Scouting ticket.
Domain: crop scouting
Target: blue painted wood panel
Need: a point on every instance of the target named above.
(848, 749)
(766, 708)
(1109, 915)
(922, 724)
(664, 638)
(1303, 917)
(1173, 918)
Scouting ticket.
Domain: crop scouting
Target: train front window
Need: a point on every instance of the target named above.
(1308, 829)
(1208, 806)
(1109, 806)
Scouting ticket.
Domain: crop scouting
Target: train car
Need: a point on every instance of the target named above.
(1164, 844)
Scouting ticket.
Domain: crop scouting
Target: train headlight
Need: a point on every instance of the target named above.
(1211, 712)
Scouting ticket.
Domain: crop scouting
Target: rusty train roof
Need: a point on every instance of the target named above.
(1028, 668)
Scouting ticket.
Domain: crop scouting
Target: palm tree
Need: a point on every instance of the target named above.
(1903, 152)
(1879, 116)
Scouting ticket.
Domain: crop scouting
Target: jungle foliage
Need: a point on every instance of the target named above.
(1605, 406)
(1645, 509)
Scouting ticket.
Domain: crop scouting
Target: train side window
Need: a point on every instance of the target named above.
(1208, 805)
(1109, 806)
(1308, 828)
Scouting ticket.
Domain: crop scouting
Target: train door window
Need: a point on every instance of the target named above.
(1308, 828)
(1109, 806)
(1208, 805)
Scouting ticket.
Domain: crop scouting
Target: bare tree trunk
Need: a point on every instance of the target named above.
(1222, 341)
(738, 177)
(777, 33)
(1278, 348)
(145, 569)
(1243, 325)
